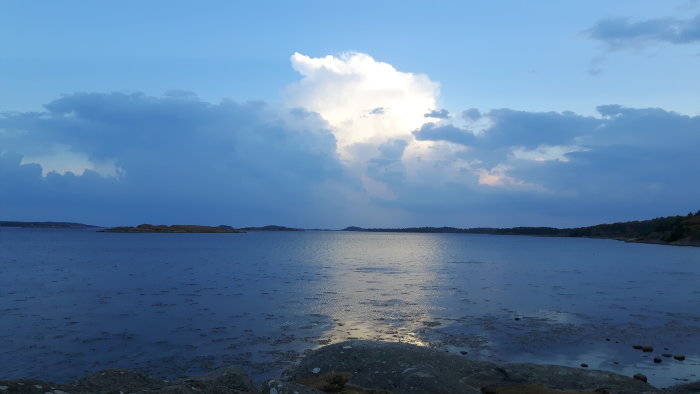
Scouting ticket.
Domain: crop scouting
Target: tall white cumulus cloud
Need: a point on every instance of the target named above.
(364, 101)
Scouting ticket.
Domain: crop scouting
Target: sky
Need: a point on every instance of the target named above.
(326, 114)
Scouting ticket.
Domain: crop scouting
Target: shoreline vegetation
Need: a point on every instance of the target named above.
(190, 228)
(670, 230)
(46, 225)
(175, 228)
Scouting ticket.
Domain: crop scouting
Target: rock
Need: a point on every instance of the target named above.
(640, 376)
(284, 387)
(529, 388)
(685, 388)
(584, 365)
(679, 357)
(108, 380)
(566, 378)
(22, 386)
(404, 368)
(394, 367)
(333, 382)
(222, 380)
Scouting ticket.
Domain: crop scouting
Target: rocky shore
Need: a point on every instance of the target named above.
(368, 367)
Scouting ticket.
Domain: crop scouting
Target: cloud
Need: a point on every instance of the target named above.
(620, 33)
(232, 162)
(622, 164)
(471, 114)
(508, 128)
(351, 146)
(343, 90)
(441, 114)
(431, 132)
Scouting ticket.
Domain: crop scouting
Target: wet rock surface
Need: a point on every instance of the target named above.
(223, 380)
(362, 366)
(404, 368)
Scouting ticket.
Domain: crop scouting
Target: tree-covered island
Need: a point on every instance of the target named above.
(176, 228)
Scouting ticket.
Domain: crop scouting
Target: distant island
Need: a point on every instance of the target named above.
(69, 225)
(671, 230)
(271, 228)
(176, 228)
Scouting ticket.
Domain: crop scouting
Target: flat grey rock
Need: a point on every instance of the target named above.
(405, 368)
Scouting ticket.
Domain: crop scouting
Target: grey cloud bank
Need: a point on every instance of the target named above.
(182, 160)
(625, 163)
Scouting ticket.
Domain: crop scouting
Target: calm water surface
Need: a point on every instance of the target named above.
(75, 301)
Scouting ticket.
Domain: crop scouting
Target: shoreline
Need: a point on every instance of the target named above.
(365, 366)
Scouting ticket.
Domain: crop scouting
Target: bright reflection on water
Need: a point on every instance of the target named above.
(176, 304)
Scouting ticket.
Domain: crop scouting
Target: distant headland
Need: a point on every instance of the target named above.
(45, 225)
(670, 230)
(271, 228)
(191, 228)
(175, 228)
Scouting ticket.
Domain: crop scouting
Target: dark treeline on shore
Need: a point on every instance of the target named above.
(677, 230)
(45, 224)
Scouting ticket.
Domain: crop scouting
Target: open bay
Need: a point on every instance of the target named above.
(76, 301)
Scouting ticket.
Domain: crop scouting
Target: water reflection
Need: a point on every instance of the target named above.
(382, 288)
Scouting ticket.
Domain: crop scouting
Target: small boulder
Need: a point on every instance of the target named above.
(283, 387)
(640, 376)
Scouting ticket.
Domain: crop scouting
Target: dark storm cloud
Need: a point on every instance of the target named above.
(178, 156)
(628, 163)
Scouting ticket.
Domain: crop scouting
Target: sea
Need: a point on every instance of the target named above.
(73, 302)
